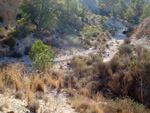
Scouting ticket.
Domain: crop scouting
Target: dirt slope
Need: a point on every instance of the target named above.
(143, 29)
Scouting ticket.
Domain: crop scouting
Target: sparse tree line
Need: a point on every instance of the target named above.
(60, 14)
(50, 14)
(133, 11)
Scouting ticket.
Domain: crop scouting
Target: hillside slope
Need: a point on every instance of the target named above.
(143, 29)
(8, 11)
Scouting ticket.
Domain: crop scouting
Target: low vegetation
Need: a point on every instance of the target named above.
(42, 55)
(121, 85)
(116, 78)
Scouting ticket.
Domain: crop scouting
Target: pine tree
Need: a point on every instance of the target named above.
(121, 8)
(146, 12)
(129, 15)
(40, 12)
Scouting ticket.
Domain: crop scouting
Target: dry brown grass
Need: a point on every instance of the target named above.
(60, 82)
(37, 84)
(1, 83)
(84, 105)
(19, 95)
(29, 95)
(127, 40)
(34, 105)
(52, 82)
(124, 106)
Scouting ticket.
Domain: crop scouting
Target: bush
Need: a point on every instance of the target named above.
(87, 41)
(125, 106)
(42, 55)
(10, 40)
(34, 105)
(125, 49)
(130, 31)
(16, 54)
(24, 28)
(95, 33)
(127, 40)
(78, 62)
(1, 19)
(114, 65)
(19, 94)
(27, 50)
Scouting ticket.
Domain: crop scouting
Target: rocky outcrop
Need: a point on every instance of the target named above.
(143, 29)
(92, 5)
(8, 11)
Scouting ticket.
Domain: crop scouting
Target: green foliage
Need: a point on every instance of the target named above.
(10, 40)
(71, 14)
(121, 8)
(90, 31)
(2, 31)
(42, 13)
(138, 6)
(24, 28)
(129, 15)
(146, 12)
(87, 41)
(109, 4)
(125, 49)
(42, 55)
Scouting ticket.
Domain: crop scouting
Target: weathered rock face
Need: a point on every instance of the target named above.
(92, 5)
(143, 30)
(8, 11)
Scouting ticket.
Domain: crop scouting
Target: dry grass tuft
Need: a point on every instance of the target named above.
(127, 41)
(39, 95)
(52, 82)
(34, 105)
(46, 99)
(1, 84)
(60, 82)
(125, 49)
(19, 95)
(84, 105)
(37, 84)
(124, 106)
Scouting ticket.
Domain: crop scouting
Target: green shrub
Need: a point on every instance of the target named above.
(95, 33)
(24, 28)
(78, 62)
(125, 49)
(10, 40)
(87, 41)
(23, 31)
(42, 55)
(2, 31)
(7, 27)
